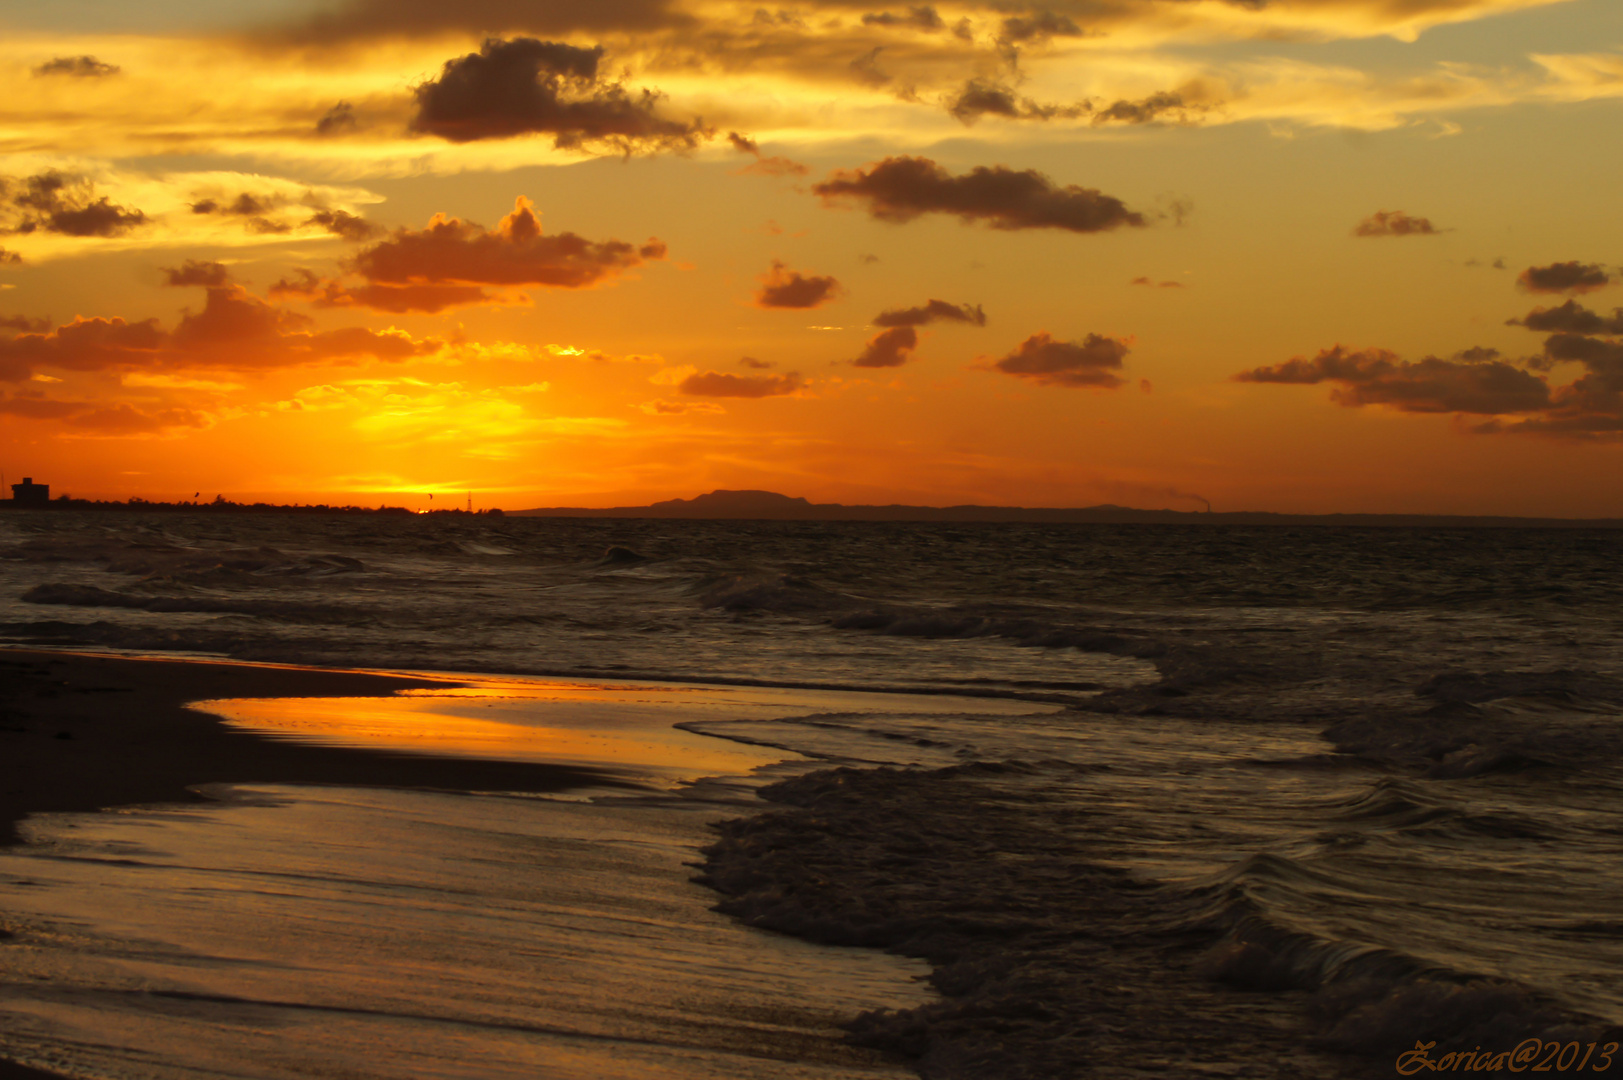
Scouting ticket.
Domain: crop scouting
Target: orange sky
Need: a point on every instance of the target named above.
(1308, 255)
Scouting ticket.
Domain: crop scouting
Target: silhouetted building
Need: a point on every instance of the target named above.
(29, 493)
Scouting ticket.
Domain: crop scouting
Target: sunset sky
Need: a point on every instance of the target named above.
(1291, 255)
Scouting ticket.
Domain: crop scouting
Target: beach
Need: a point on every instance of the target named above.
(975, 801)
(82, 732)
(615, 966)
(1118, 1001)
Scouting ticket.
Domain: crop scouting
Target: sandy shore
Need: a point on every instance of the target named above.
(83, 732)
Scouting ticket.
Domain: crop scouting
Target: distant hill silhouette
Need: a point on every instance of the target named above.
(771, 506)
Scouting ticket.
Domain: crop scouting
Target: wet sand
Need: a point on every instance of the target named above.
(132, 741)
(82, 732)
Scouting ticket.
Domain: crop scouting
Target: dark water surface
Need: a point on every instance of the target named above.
(1379, 770)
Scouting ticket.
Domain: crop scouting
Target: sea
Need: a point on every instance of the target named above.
(909, 799)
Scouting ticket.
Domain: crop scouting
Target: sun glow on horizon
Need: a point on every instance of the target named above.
(1270, 257)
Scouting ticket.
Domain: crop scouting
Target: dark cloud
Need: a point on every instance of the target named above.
(80, 67)
(209, 275)
(721, 385)
(1162, 284)
(979, 97)
(60, 203)
(1571, 318)
(785, 288)
(526, 86)
(100, 218)
(452, 263)
(934, 311)
(917, 18)
(1093, 362)
(244, 205)
(1604, 358)
(82, 345)
(1477, 383)
(255, 207)
(516, 252)
(1564, 277)
(983, 97)
(344, 224)
(1394, 223)
(751, 362)
(10, 258)
(1591, 406)
(371, 19)
(902, 188)
(743, 144)
(1039, 26)
(889, 348)
(1160, 106)
(338, 120)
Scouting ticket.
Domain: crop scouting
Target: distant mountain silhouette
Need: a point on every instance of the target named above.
(736, 504)
(770, 506)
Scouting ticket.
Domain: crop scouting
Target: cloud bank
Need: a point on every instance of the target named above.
(234, 330)
(452, 263)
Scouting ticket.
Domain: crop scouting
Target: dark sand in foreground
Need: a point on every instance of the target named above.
(83, 732)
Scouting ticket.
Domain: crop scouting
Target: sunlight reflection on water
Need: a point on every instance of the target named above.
(626, 727)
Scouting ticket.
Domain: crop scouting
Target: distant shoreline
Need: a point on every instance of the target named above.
(770, 506)
(226, 507)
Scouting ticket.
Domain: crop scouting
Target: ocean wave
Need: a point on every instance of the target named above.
(283, 610)
(775, 593)
(1053, 964)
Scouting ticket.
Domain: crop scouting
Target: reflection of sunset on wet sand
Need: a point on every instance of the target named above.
(626, 730)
